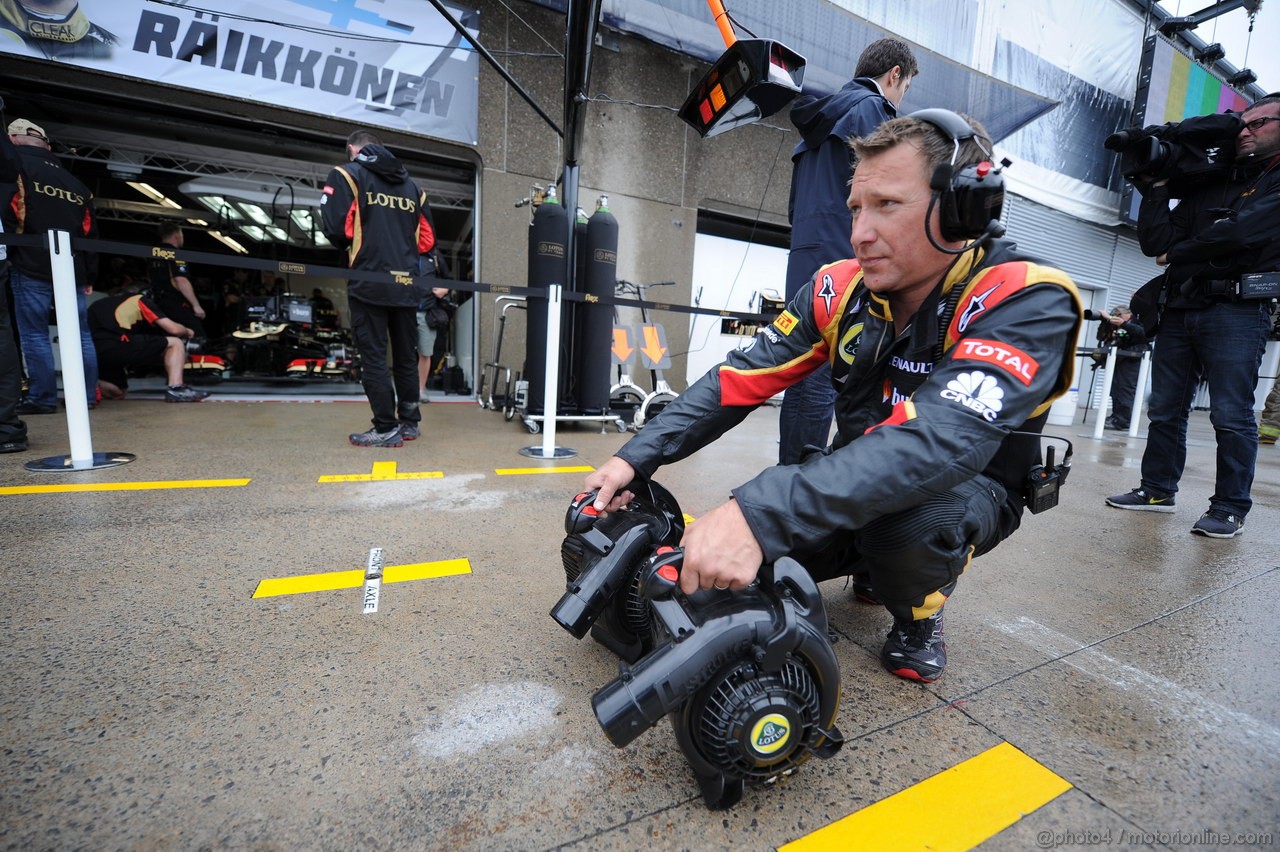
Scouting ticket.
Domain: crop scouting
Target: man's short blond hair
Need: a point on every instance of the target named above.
(937, 147)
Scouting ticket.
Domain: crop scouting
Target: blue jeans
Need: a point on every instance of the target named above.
(32, 301)
(1225, 342)
(805, 418)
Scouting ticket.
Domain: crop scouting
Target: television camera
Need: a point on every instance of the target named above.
(1187, 153)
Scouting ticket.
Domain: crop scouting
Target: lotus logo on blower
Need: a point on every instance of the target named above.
(770, 734)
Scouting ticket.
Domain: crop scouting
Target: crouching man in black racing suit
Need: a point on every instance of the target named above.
(936, 357)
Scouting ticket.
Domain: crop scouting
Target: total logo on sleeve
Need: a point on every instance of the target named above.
(1013, 360)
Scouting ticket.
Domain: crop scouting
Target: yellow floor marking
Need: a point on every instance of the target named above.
(521, 471)
(354, 579)
(954, 810)
(123, 486)
(383, 471)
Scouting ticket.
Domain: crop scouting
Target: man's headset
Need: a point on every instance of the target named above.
(970, 198)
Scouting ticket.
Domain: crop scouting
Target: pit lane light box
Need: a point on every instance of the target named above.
(752, 79)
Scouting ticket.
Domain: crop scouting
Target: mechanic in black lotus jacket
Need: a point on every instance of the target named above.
(39, 196)
(926, 470)
(373, 209)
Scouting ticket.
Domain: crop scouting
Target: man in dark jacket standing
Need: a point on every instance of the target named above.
(46, 197)
(374, 209)
(821, 170)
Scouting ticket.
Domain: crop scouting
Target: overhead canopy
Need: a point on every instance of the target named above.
(830, 39)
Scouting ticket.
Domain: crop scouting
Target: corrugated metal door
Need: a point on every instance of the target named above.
(1106, 265)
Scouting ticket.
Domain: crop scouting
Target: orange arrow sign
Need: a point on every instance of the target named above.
(621, 344)
(653, 348)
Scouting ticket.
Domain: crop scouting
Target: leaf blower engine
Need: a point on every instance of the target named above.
(748, 678)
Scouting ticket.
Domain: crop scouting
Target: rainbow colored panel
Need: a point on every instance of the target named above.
(1180, 88)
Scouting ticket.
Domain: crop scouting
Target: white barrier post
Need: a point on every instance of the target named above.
(1140, 392)
(67, 306)
(1101, 422)
(551, 386)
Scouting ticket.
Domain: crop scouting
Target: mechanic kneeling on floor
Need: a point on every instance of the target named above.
(946, 352)
(130, 331)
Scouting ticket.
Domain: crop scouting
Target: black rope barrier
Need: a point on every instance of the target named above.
(292, 268)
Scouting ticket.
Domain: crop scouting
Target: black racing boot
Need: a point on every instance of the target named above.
(915, 650)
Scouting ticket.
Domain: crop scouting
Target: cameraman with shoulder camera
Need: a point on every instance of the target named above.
(1121, 330)
(1215, 320)
(946, 348)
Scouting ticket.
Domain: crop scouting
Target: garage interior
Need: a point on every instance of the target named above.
(248, 189)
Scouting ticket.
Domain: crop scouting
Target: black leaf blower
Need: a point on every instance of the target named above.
(748, 678)
(602, 557)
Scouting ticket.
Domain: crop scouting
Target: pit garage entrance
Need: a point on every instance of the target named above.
(247, 190)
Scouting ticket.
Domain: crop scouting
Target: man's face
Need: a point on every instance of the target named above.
(889, 198)
(29, 139)
(1263, 142)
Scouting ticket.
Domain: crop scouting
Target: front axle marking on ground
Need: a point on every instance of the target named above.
(332, 580)
(383, 471)
(67, 488)
(373, 580)
(523, 471)
(966, 804)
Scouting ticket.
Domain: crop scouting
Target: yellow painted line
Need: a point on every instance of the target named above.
(954, 810)
(309, 583)
(354, 579)
(383, 471)
(523, 471)
(426, 570)
(123, 486)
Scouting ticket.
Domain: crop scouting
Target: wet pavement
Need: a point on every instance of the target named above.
(150, 701)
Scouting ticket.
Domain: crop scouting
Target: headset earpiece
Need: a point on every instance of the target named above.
(971, 198)
(972, 201)
(941, 178)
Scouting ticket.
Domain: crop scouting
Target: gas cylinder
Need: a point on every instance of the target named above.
(548, 264)
(594, 333)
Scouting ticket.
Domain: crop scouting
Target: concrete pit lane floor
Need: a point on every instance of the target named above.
(1112, 679)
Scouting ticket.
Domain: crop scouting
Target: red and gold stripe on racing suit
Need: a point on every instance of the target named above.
(832, 288)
